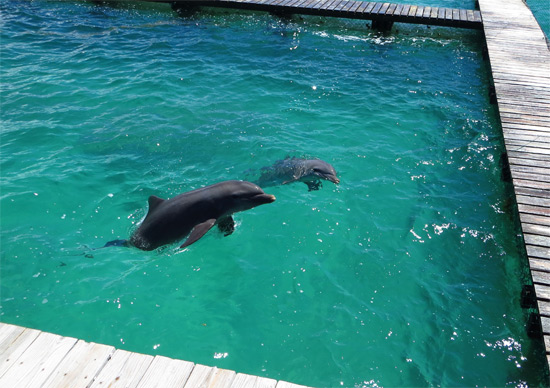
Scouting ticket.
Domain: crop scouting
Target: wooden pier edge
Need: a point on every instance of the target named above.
(32, 358)
(520, 64)
(382, 14)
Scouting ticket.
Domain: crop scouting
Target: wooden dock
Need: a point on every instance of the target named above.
(520, 65)
(31, 358)
(382, 14)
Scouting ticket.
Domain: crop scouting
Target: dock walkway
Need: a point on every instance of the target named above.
(520, 65)
(382, 13)
(32, 358)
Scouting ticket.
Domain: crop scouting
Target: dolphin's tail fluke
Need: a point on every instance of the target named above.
(117, 243)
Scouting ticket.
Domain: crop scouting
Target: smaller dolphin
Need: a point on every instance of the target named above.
(194, 213)
(289, 170)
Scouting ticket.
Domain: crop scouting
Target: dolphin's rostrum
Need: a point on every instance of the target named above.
(195, 212)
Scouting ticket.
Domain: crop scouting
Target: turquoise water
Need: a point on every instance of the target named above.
(408, 273)
(541, 10)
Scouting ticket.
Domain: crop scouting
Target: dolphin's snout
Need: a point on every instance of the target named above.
(263, 198)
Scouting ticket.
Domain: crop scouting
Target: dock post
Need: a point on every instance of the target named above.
(534, 326)
(528, 297)
(382, 25)
(183, 9)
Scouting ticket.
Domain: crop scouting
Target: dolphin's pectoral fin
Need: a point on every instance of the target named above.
(314, 185)
(199, 231)
(226, 225)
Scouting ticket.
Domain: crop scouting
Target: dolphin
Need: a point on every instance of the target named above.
(289, 170)
(194, 213)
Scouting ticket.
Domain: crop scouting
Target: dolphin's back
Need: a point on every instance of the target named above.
(171, 220)
(281, 171)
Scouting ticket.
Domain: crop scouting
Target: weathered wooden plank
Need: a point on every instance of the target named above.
(123, 370)
(456, 14)
(545, 321)
(307, 4)
(533, 150)
(223, 378)
(541, 241)
(515, 138)
(539, 264)
(247, 381)
(540, 180)
(533, 201)
(534, 219)
(523, 119)
(201, 376)
(542, 172)
(532, 192)
(541, 230)
(312, 5)
(384, 8)
(519, 162)
(541, 277)
(427, 12)
(297, 3)
(544, 309)
(335, 4)
(398, 9)
(538, 210)
(14, 345)
(166, 372)
(530, 134)
(80, 365)
(526, 155)
(345, 6)
(356, 6)
(370, 7)
(8, 333)
(326, 5)
(536, 252)
(542, 291)
(38, 361)
(530, 184)
(377, 7)
(211, 377)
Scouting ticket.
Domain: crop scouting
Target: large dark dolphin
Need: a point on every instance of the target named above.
(194, 213)
(289, 170)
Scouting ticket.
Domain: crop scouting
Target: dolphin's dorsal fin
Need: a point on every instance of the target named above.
(154, 202)
(199, 231)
